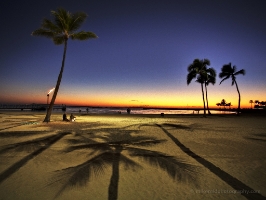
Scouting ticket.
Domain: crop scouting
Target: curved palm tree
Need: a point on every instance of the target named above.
(63, 27)
(228, 71)
(198, 70)
(114, 149)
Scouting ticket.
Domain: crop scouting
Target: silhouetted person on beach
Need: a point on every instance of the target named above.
(72, 118)
(63, 107)
(128, 111)
(65, 117)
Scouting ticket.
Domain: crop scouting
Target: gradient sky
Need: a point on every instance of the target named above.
(141, 55)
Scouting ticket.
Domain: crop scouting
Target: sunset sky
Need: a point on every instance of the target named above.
(141, 55)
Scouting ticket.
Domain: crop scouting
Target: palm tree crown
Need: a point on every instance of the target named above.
(197, 68)
(229, 71)
(63, 27)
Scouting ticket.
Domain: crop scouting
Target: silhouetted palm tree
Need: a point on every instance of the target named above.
(198, 70)
(251, 102)
(110, 150)
(228, 71)
(218, 104)
(223, 103)
(209, 77)
(63, 27)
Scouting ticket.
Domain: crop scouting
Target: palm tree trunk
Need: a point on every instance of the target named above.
(207, 101)
(239, 98)
(113, 187)
(49, 110)
(203, 99)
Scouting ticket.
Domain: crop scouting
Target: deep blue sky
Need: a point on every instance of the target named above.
(141, 55)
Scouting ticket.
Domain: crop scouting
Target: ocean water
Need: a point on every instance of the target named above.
(135, 111)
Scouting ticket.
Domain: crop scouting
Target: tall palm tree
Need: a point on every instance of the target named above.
(63, 27)
(207, 78)
(228, 71)
(114, 149)
(198, 70)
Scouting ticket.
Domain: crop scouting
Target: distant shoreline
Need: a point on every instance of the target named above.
(59, 106)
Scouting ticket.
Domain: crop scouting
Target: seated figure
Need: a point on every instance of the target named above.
(72, 118)
(65, 117)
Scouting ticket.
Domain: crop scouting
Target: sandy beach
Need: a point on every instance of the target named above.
(132, 157)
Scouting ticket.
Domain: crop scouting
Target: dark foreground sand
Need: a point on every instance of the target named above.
(132, 157)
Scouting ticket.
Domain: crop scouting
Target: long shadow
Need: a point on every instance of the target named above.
(20, 124)
(11, 127)
(20, 133)
(28, 145)
(230, 180)
(107, 149)
(177, 126)
(46, 143)
(257, 137)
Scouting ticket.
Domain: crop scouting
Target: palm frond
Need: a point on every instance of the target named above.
(227, 77)
(176, 168)
(206, 62)
(211, 76)
(129, 163)
(82, 35)
(49, 25)
(59, 39)
(29, 145)
(81, 174)
(211, 79)
(211, 71)
(242, 71)
(43, 32)
(62, 18)
(224, 74)
(76, 20)
(146, 142)
(95, 146)
(191, 76)
(233, 69)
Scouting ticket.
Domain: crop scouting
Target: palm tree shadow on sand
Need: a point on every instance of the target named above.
(230, 180)
(35, 146)
(113, 147)
(257, 137)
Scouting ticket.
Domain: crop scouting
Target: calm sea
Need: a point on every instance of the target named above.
(134, 111)
(93, 110)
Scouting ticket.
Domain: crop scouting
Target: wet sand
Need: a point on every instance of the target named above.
(132, 157)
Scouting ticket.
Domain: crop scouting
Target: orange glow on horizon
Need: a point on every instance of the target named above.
(132, 99)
